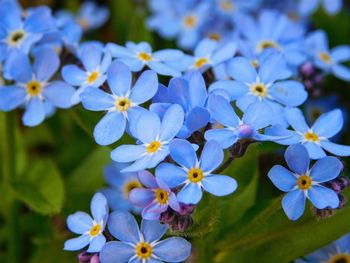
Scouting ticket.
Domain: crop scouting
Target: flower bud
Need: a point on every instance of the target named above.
(245, 131)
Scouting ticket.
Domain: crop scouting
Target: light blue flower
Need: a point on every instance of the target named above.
(193, 175)
(154, 136)
(256, 117)
(141, 246)
(338, 251)
(137, 56)
(208, 53)
(316, 138)
(332, 7)
(155, 198)
(265, 84)
(33, 87)
(95, 62)
(90, 229)
(190, 93)
(120, 185)
(328, 60)
(91, 16)
(304, 183)
(122, 105)
(272, 30)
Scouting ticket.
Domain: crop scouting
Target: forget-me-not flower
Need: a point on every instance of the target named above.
(302, 182)
(193, 174)
(154, 136)
(332, 7)
(122, 105)
(143, 245)
(155, 198)
(90, 229)
(137, 56)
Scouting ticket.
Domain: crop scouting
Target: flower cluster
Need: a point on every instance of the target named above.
(237, 83)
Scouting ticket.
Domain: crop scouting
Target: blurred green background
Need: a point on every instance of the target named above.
(52, 170)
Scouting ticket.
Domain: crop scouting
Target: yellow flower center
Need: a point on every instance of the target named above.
(93, 76)
(130, 185)
(267, 44)
(226, 5)
(325, 57)
(162, 196)
(16, 37)
(143, 250)
(84, 24)
(123, 104)
(34, 88)
(259, 89)
(195, 175)
(190, 21)
(311, 137)
(214, 36)
(144, 56)
(200, 62)
(304, 182)
(255, 63)
(153, 146)
(95, 230)
(340, 258)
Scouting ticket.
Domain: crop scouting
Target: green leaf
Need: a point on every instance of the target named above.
(42, 188)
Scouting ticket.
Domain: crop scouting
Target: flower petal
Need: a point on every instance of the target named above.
(116, 252)
(171, 174)
(141, 197)
(96, 244)
(326, 169)
(297, 158)
(225, 137)
(241, 69)
(73, 75)
(296, 119)
(147, 127)
(42, 58)
(212, 156)
(282, 178)
(99, 208)
(59, 94)
(190, 194)
(119, 78)
(315, 150)
(153, 230)
(329, 123)
(11, 97)
(145, 87)
(336, 149)
(172, 122)
(182, 152)
(127, 153)
(123, 226)
(222, 111)
(293, 204)
(79, 222)
(219, 185)
(290, 93)
(322, 197)
(174, 249)
(77, 243)
(35, 112)
(96, 99)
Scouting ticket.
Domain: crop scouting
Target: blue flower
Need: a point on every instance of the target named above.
(33, 87)
(208, 53)
(18, 33)
(338, 251)
(332, 7)
(95, 62)
(262, 84)
(193, 174)
(121, 185)
(316, 138)
(272, 30)
(190, 93)
(90, 229)
(155, 198)
(141, 246)
(137, 56)
(91, 16)
(329, 61)
(154, 137)
(122, 105)
(256, 117)
(304, 183)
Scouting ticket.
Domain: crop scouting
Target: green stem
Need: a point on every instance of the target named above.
(9, 174)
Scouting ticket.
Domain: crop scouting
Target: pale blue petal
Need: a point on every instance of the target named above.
(141, 197)
(288, 137)
(197, 118)
(328, 124)
(306, 7)
(273, 68)
(293, 204)
(96, 99)
(290, 93)
(77, 243)
(205, 48)
(145, 87)
(73, 75)
(190, 194)
(282, 178)
(336, 149)
(96, 244)
(182, 152)
(172, 122)
(34, 113)
(235, 89)
(212, 156)
(322, 197)
(171, 174)
(116, 252)
(258, 115)
(341, 53)
(219, 185)
(315, 150)
(79, 222)
(119, 78)
(196, 89)
(225, 137)
(332, 6)
(245, 101)
(99, 207)
(91, 57)
(147, 179)
(341, 72)
(224, 53)
(110, 128)
(168, 54)
(296, 119)
(297, 158)
(326, 169)
(11, 97)
(157, 157)
(139, 164)
(163, 69)
(59, 94)
(42, 58)
(222, 111)
(123, 226)
(153, 230)
(21, 74)
(147, 127)
(241, 69)
(127, 153)
(118, 51)
(174, 249)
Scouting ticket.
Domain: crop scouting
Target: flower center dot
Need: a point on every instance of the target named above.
(304, 182)
(95, 230)
(93, 76)
(34, 88)
(190, 21)
(153, 147)
(340, 258)
(16, 37)
(195, 175)
(226, 5)
(267, 44)
(214, 36)
(311, 137)
(143, 250)
(325, 57)
(162, 196)
(123, 104)
(144, 56)
(200, 62)
(259, 90)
